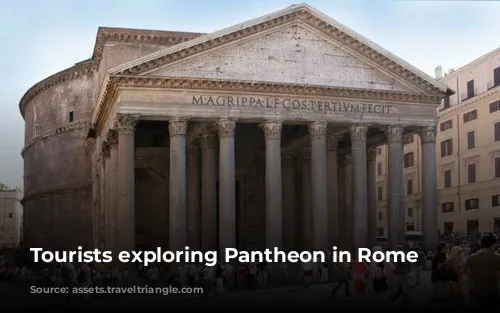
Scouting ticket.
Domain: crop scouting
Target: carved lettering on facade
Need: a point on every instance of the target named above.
(226, 128)
(428, 134)
(317, 130)
(125, 123)
(292, 104)
(177, 126)
(358, 132)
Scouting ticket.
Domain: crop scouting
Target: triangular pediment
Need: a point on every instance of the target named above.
(298, 45)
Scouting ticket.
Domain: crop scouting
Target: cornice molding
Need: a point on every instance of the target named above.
(55, 192)
(303, 15)
(60, 130)
(120, 81)
(469, 102)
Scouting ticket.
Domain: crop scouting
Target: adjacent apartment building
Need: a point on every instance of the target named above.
(468, 154)
(11, 213)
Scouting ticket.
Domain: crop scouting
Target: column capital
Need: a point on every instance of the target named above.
(208, 140)
(105, 149)
(226, 128)
(193, 151)
(317, 130)
(272, 129)
(394, 134)
(125, 123)
(332, 142)
(177, 126)
(371, 154)
(112, 137)
(306, 153)
(288, 160)
(358, 131)
(428, 134)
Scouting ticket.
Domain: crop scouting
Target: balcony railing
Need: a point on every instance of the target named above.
(465, 95)
(492, 84)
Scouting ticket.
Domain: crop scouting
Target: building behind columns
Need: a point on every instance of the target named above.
(467, 154)
(259, 135)
(11, 216)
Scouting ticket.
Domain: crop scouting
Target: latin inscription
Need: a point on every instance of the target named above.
(292, 104)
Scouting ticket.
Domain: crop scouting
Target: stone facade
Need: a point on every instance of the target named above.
(258, 135)
(11, 216)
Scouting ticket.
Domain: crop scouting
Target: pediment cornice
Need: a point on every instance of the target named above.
(149, 82)
(301, 14)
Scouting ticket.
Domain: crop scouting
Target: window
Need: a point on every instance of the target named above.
(10, 215)
(470, 89)
(379, 193)
(471, 140)
(70, 116)
(497, 167)
(495, 200)
(379, 150)
(447, 178)
(446, 147)
(497, 131)
(447, 207)
(496, 77)
(410, 212)
(380, 231)
(408, 159)
(446, 102)
(471, 173)
(409, 187)
(495, 106)
(472, 204)
(470, 116)
(380, 216)
(446, 125)
(379, 168)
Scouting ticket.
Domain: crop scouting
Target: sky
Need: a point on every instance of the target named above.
(40, 38)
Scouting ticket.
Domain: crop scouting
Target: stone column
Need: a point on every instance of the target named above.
(430, 227)
(126, 182)
(317, 131)
(104, 194)
(112, 190)
(396, 212)
(306, 200)
(333, 190)
(208, 192)
(288, 183)
(193, 197)
(359, 186)
(274, 213)
(227, 186)
(348, 203)
(177, 128)
(372, 195)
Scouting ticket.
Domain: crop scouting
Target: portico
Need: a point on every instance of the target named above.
(271, 130)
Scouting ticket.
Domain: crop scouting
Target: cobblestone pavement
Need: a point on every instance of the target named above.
(289, 296)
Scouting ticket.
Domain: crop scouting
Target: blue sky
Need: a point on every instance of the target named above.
(40, 38)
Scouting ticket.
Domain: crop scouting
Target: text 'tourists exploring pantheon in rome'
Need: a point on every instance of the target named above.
(259, 135)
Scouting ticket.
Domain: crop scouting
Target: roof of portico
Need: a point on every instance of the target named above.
(304, 13)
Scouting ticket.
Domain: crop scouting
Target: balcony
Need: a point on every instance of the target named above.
(492, 84)
(465, 95)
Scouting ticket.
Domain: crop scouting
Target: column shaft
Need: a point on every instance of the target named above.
(396, 213)
(193, 198)
(208, 192)
(274, 217)
(333, 191)
(288, 183)
(113, 197)
(104, 193)
(317, 131)
(126, 189)
(372, 195)
(349, 226)
(227, 186)
(359, 186)
(429, 189)
(306, 200)
(177, 184)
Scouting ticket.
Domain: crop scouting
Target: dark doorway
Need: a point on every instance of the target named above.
(238, 212)
(470, 89)
(472, 227)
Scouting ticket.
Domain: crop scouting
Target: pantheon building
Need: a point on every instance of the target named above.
(262, 134)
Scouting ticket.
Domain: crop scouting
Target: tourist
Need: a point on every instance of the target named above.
(343, 275)
(439, 275)
(454, 268)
